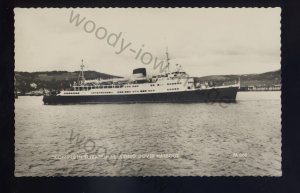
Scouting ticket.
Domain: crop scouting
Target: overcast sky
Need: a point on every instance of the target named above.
(203, 41)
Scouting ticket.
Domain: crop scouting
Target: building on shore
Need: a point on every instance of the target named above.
(276, 87)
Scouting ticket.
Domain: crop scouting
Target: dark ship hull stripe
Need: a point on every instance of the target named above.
(210, 95)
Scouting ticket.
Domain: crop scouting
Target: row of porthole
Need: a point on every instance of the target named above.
(101, 92)
(71, 93)
(135, 91)
(131, 86)
(173, 83)
(173, 89)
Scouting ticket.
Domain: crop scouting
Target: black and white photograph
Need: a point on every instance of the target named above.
(147, 92)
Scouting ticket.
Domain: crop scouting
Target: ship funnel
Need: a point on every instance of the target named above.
(139, 73)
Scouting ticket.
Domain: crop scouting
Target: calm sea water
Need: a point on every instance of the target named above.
(217, 139)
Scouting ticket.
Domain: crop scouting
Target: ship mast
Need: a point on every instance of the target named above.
(81, 75)
(168, 60)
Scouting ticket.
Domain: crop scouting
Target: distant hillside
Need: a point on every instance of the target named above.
(263, 79)
(57, 80)
(54, 80)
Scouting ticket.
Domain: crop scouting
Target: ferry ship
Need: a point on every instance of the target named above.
(169, 87)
